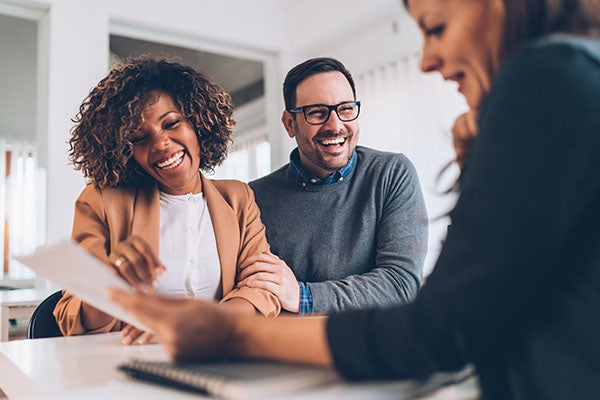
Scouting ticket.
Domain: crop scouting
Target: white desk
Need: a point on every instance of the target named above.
(85, 367)
(38, 366)
(16, 304)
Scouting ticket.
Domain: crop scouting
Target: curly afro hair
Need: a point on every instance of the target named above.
(99, 146)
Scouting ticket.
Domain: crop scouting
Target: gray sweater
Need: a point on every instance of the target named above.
(357, 243)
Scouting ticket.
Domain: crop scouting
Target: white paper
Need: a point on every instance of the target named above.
(77, 271)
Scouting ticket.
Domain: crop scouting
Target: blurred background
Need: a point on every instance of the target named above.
(53, 52)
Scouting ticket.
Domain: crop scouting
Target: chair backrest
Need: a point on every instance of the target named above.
(42, 322)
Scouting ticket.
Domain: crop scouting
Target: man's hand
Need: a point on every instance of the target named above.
(269, 272)
(464, 132)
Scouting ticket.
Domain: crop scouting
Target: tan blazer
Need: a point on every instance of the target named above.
(108, 216)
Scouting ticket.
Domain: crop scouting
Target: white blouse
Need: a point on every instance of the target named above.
(188, 248)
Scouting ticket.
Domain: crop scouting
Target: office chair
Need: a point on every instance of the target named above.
(42, 322)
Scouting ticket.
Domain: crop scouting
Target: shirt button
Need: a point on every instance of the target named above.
(341, 179)
(313, 180)
(303, 184)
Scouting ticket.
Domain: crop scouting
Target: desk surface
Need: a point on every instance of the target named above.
(85, 366)
(22, 297)
(33, 367)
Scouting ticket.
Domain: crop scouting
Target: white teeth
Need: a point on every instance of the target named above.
(171, 162)
(328, 142)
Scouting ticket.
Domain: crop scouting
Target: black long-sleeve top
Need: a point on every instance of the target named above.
(516, 289)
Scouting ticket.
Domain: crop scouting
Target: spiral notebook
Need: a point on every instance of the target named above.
(231, 380)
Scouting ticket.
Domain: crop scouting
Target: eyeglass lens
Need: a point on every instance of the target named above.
(319, 114)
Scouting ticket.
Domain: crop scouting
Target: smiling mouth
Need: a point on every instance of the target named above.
(334, 141)
(174, 161)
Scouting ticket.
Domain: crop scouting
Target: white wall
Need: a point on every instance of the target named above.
(77, 51)
(361, 36)
(256, 24)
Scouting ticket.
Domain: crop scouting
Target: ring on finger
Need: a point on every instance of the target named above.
(120, 261)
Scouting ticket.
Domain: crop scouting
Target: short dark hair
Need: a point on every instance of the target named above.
(311, 67)
(99, 144)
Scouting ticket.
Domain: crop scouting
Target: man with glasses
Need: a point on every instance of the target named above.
(347, 224)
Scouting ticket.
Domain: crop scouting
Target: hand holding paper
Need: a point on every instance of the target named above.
(137, 263)
(75, 270)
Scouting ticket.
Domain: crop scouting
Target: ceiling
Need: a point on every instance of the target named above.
(242, 78)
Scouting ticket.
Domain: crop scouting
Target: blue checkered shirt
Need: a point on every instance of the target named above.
(306, 300)
(298, 175)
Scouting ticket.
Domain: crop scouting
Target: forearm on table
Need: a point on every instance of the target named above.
(290, 339)
(240, 304)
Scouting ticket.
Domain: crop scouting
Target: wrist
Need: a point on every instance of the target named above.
(240, 328)
(295, 300)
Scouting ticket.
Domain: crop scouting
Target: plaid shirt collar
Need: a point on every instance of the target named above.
(298, 175)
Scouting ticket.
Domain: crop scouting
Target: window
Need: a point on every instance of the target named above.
(246, 161)
(22, 108)
(22, 207)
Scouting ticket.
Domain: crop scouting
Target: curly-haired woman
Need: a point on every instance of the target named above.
(141, 138)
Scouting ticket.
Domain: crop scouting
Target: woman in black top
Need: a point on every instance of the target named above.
(516, 290)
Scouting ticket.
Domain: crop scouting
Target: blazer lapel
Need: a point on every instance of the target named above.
(226, 230)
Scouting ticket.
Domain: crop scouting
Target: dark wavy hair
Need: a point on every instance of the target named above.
(99, 144)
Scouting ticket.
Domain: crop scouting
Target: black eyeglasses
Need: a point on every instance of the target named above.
(317, 114)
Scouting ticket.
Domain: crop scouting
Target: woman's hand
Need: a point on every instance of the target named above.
(187, 328)
(137, 263)
(269, 272)
(464, 132)
(132, 334)
(194, 329)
